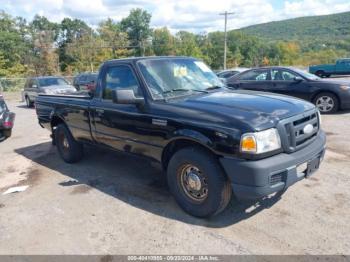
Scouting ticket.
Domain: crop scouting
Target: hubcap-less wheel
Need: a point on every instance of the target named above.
(64, 142)
(325, 104)
(193, 183)
(27, 102)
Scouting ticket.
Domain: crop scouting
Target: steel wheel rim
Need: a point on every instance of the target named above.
(64, 142)
(325, 103)
(193, 183)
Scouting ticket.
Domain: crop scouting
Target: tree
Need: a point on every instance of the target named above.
(288, 52)
(186, 45)
(137, 26)
(112, 35)
(163, 42)
(13, 45)
(69, 31)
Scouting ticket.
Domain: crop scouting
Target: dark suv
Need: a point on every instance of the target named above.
(85, 81)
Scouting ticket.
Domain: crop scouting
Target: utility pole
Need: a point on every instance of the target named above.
(225, 45)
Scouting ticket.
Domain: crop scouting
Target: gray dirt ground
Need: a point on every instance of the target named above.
(111, 203)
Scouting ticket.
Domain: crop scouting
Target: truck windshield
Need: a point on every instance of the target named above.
(52, 81)
(176, 77)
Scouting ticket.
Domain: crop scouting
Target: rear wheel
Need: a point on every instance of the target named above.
(326, 103)
(320, 73)
(198, 183)
(69, 149)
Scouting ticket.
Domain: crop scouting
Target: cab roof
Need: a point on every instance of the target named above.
(135, 59)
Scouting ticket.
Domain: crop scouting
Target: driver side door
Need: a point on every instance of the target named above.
(256, 79)
(287, 82)
(124, 127)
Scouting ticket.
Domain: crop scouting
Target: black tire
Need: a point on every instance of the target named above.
(218, 188)
(29, 103)
(69, 149)
(320, 73)
(325, 96)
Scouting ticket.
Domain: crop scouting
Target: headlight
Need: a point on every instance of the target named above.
(319, 117)
(260, 142)
(345, 88)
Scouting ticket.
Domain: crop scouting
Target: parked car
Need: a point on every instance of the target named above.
(210, 140)
(329, 96)
(7, 119)
(225, 74)
(85, 81)
(341, 67)
(47, 85)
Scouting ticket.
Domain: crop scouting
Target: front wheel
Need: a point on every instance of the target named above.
(198, 183)
(327, 103)
(69, 149)
(29, 103)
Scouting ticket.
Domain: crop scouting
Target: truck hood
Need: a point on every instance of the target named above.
(241, 109)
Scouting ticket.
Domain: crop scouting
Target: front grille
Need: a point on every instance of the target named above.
(292, 131)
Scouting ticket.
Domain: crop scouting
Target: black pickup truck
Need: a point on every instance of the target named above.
(210, 140)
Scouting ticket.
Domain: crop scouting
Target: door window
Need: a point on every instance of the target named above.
(282, 75)
(255, 75)
(31, 83)
(120, 77)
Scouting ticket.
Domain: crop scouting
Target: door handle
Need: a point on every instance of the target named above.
(101, 111)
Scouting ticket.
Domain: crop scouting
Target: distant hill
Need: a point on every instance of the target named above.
(326, 27)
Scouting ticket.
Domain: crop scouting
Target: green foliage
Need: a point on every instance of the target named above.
(186, 45)
(42, 47)
(112, 35)
(163, 42)
(319, 28)
(137, 25)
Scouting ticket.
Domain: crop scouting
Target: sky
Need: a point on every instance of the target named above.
(191, 15)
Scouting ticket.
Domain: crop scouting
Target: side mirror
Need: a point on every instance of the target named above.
(224, 80)
(34, 86)
(126, 96)
(298, 79)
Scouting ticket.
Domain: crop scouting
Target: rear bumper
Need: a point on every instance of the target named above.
(251, 180)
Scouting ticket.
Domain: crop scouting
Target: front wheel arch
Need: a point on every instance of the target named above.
(179, 143)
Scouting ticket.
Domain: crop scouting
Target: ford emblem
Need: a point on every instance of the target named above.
(308, 129)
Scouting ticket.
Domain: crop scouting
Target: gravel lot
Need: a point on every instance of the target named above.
(112, 203)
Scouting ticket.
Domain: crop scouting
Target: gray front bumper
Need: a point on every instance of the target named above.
(253, 179)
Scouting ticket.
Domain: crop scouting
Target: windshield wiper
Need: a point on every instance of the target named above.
(184, 90)
(213, 88)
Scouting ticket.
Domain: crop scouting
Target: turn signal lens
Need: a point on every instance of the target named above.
(260, 142)
(248, 144)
